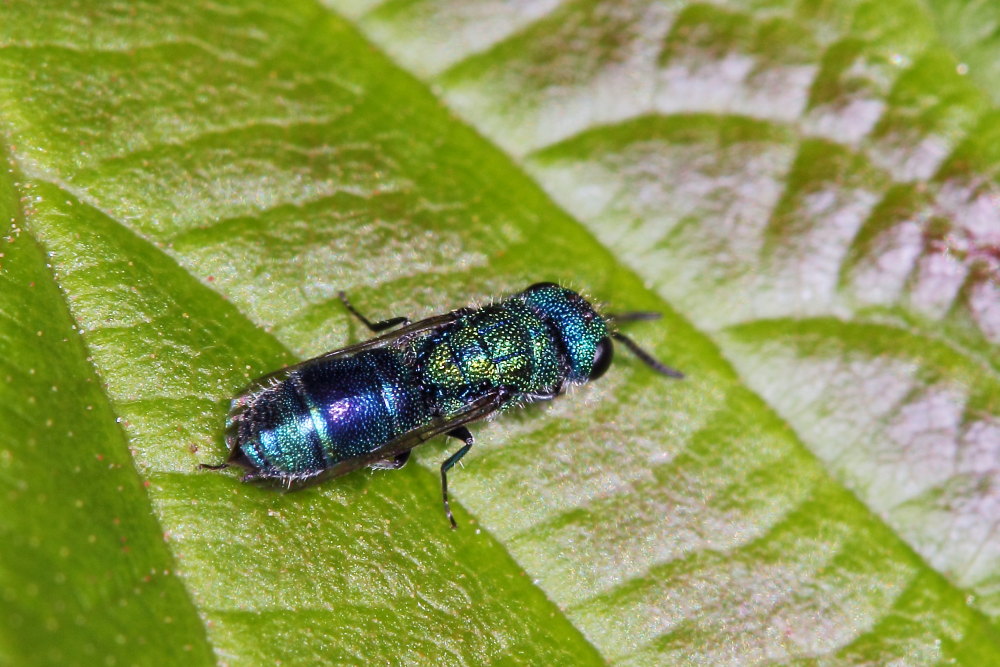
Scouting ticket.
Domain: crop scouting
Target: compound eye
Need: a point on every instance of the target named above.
(602, 358)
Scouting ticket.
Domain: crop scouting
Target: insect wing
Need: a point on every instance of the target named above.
(481, 408)
(428, 325)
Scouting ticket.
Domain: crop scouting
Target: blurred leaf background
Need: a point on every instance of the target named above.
(809, 192)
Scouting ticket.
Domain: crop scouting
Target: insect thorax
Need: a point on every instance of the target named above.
(504, 345)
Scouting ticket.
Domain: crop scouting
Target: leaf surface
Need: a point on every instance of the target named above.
(810, 196)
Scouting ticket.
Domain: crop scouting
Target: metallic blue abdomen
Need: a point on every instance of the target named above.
(331, 411)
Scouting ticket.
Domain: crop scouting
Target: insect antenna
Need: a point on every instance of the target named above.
(209, 466)
(644, 357)
(647, 358)
(636, 316)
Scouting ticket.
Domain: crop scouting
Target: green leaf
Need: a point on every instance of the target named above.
(810, 193)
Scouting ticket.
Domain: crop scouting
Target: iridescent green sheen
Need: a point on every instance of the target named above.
(575, 325)
(507, 345)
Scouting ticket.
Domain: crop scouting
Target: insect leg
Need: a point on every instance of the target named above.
(462, 433)
(394, 463)
(381, 325)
